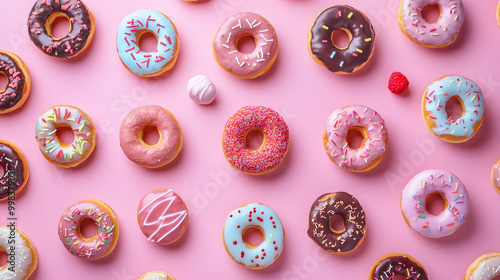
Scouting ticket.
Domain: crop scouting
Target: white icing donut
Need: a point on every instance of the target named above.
(486, 267)
(25, 257)
(201, 89)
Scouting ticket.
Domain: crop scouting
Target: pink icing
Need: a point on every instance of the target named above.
(72, 239)
(338, 124)
(162, 216)
(414, 197)
(247, 65)
(441, 33)
(169, 130)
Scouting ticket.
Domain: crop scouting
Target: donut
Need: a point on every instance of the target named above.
(16, 170)
(432, 35)
(486, 267)
(414, 198)
(498, 13)
(19, 82)
(56, 152)
(132, 142)
(156, 275)
(437, 120)
(274, 147)
(162, 216)
(495, 176)
(361, 39)
(22, 257)
(240, 64)
(263, 218)
(130, 30)
(82, 27)
(393, 264)
(319, 228)
(97, 246)
(201, 89)
(372, 127)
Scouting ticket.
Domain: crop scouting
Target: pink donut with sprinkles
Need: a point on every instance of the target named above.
(240, 64)
(274, 146)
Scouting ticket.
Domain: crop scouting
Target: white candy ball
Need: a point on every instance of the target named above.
(201, 89)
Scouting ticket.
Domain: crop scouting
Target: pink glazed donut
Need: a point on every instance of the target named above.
(246, 65)
(432, 35)
(132, 141)
(451, 190)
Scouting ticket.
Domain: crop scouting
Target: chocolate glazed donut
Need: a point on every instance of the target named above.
(321, 213)
(361, 37)
(44, 12)
(19, 83)
(394, 264)
(15, 168)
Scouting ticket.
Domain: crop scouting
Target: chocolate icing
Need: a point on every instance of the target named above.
(13, 165)
(360, 48)
(75, 41)
(321, 213)
(14, 91)
(398, 265)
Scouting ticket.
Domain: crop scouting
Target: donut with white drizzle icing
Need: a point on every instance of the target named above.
(438, 94)
(56, 152)
(414, 198)
(16, 170)
(486, 267)
(263, 218)
(157, 275)
(130, 30)
(372, 127)
(439, 34)
(237, 63)
(162, 216)
(25, 256)
(19, 82)
(97, 246)
(82, 27)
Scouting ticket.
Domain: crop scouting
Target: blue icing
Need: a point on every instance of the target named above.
(273, 237)
(439, 92)
(143, 63)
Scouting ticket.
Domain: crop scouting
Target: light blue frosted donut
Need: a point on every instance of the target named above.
(258, 216)
(436, 118)
(147, 63)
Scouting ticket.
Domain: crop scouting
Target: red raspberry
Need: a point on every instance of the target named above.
(398, 83)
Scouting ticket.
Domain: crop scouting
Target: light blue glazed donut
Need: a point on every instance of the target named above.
(262, 217)
(141, 63)
(439, 123)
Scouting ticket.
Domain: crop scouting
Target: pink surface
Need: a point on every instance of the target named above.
(304, 93)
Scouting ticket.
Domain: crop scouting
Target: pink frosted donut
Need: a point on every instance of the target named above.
(369, 123)
(246, 65)
(132, 142)
(162, 216)
(274, 146)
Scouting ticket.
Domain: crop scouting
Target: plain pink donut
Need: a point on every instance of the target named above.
(137, 150)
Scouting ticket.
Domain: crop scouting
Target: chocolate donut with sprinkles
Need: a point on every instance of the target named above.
(16, 171)
(274, 146)
(19, 82)
(319, 228)
(394, 264)
(361, 39)
(82, 27)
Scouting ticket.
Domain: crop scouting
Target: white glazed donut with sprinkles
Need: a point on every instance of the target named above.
(147, 64)
(263, 218)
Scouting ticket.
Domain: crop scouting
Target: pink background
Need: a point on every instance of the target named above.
(304, 93)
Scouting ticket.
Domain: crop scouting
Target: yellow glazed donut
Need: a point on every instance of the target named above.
(156, 275)
(21, 258)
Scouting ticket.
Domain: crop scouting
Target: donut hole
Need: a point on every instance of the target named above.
(3, 257)
(254, 139)
(399, 277)
(253, 236)
(355, 137)
(246, 43)
(454, 108)
(147, 41)
(150, 135)
(337, 224)
(431, 13)
(65, 134)
(2, 172)
(494, 278)
(435, 203)
(58, 25)
(87, 228)
(4, 81)
(341, 38)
